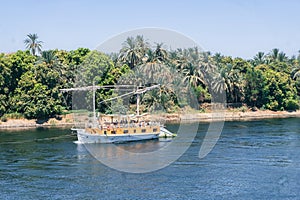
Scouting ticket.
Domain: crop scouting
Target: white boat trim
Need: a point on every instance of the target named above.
(85, 137)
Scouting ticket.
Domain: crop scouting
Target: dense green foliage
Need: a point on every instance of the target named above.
(30, 83)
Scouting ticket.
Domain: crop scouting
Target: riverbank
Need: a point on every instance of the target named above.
(64, 121)
(228, 115)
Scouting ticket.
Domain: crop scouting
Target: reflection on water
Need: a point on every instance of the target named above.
(252, 160)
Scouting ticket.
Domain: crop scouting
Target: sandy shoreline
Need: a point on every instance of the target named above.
(230, 116)
(65, 121)
(68, 120)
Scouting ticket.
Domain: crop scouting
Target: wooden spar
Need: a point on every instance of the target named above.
(95, 87)
(140, 91)
(137, 92)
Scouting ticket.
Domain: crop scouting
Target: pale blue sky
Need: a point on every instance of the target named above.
(234, 27)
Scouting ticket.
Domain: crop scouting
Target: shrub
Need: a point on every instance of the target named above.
(273, 105)
(14, 116)
(291, 105)
(4, 118)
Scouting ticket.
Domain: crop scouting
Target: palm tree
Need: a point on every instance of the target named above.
(190, 68)
(282, 57)
(174, 60)
(49, 58)
(274, 54)
(233, 83)
(152, 66)
(179, 59)
(161, 53)
(33, 44)
(142, 44)
(197, 67)
(133, 51)
(259, 58)
(218, 58)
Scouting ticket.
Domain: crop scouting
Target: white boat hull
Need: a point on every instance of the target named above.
(85, 137)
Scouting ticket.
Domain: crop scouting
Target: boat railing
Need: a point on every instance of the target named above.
(128, 125)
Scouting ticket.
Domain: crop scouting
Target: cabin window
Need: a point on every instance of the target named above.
(125, 131)
(134, 131)
(143, 130)
(113, 132)
(155, 130)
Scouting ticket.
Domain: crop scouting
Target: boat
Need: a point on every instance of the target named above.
(120, 128)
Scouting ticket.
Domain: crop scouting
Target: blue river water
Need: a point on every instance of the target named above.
(251, 160)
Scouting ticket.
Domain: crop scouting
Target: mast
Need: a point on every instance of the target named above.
(94, 105)
(137, 104)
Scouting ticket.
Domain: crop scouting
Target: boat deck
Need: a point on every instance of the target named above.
(124, 130)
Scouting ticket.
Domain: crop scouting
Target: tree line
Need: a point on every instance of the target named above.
(31, 80)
